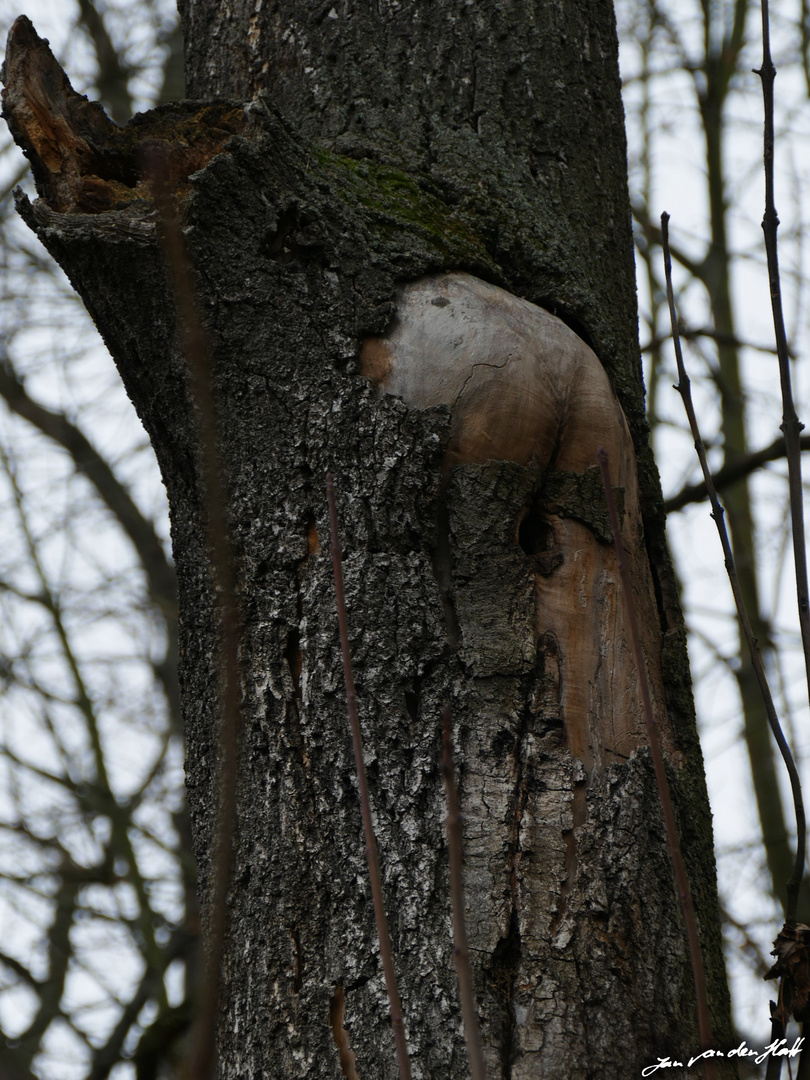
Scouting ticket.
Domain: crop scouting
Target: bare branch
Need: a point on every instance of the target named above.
(652, 234)
(791, 425)
(731, 472)
(684, 388)
(88, 461)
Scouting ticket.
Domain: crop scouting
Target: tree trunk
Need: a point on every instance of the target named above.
(457, 165)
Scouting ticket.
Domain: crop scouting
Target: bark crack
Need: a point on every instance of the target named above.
(579, 814)
(507, 955)
(441, 563)
(505, 961)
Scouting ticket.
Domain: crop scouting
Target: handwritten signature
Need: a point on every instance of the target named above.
(778, 1048)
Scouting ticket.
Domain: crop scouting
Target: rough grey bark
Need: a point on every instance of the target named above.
(386, 142)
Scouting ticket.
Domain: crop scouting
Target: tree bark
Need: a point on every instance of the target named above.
(460, 167)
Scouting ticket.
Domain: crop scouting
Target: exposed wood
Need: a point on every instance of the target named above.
(521, 386)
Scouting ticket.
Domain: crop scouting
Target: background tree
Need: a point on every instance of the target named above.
(703, 59)
(119, 29)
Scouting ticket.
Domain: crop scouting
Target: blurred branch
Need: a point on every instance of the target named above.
(749, 947)
(731, 472)
(660, 18)
(99, 790)
(20, 970)
(113, 75)
(88, 461)
(162, 1034)
(158, 1037)
(99, 874)
(693, 333)
(110, 1053)
(52, 989)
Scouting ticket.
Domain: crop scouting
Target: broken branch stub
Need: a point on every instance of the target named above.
(81, 160)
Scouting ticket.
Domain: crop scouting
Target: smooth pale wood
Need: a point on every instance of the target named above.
(520, 383)
(523, 387)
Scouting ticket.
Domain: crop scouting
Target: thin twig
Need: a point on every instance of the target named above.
(791, 425)
(372, 856)
(192, 337)
(684, 389)
(681, 878)
(472, 1032)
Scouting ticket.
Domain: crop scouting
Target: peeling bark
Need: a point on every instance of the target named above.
(494, 155)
